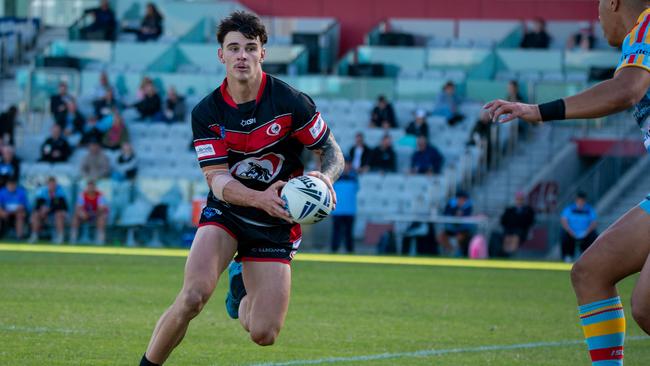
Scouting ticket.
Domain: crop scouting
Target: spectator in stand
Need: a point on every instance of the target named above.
(537, 37)
(103, 86)
(74, 121)
(426, 159)
(480, 135)
(91, 132)
(418, 127)
(346, 188)
(150, 105)
(459, 206)
(104, 23)
(9, 165)
(91, 207)
(151, 26)
(383, 114)
(126, 167)
(175, 108)
(516, 222)
(360, 154)
(95, 165)
(13, 208)
(8, 125)
(117, 134)
(383, 158)
(448, 104)
(50, 204)
(583, 40)
(59, 104)
(106, 105)
(56, 148)
(578, 227)
(513, 93)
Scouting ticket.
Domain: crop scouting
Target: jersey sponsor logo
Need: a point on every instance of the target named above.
(274, 129)
(248, 122)
(317, 128)
(205, 150)
(263, 169)
(209, 212)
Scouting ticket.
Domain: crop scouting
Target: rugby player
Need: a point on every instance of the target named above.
(249, 134)
(623, 248)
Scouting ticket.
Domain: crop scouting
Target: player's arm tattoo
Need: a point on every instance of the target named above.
(331, 158)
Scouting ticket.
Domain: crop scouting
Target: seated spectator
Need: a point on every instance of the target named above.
(9, 165)
(448, 104)
(346, 188)
(8, 125)
(95, 165)
(91, 207)
(584, 39)
(360, 154)
(91, 132)
(537, 37)
(59, 104)
(106, 105)
(103, 86)
(513, 94)
(117, 134)
(151, 26)
(74, 121)
(383, 158)
(419, 126)
(578, 227)
(56, 148)
(126, 167)
(175, 108)
(150, 105)
(383, 114)
(480, 135)
(103, 25)
(460, 206)
(516, 222)
(13, 208)
(50, 204)
(426, 159)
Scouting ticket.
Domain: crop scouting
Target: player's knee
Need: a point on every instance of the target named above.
(580, 274)
(193, 301)
(264, 336)
(641, 313)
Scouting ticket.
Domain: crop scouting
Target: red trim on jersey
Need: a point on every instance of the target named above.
(260, 137)
(641, 33)
(221, 226)
(254, 259)
(219, 147)
(604, 354)
(296, 233)
(304, 134)
(228, 98)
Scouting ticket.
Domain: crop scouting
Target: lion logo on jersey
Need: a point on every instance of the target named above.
(264, 168)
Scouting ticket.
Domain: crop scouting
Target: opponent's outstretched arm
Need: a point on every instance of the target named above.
(625, 89)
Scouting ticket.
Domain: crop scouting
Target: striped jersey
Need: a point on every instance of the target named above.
(635, 52)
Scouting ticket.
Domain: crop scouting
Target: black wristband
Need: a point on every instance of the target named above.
(553, 111)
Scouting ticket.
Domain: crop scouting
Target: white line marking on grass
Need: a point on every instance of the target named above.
(23, 329)
(434, 352)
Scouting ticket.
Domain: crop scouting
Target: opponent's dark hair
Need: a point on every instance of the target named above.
(248, 24)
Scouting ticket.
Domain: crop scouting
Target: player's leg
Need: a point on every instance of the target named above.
(348, 233)
(641, 298)
(212, 250)
(59, 224)
(264, 308)
(619, 252)
(36, 220)
(568, 246)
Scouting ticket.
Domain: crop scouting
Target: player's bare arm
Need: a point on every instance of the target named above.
(332, 163)
(230, 190)
(621, 92)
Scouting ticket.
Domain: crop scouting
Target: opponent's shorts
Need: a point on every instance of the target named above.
(645, 205)
(254, 242)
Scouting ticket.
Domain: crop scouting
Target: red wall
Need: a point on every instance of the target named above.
(357, 17)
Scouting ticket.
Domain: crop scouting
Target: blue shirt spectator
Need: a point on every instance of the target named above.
(448, 104)
(580, 217)
(12, 198)
(53, 197)
(426, 159)
(346, 188)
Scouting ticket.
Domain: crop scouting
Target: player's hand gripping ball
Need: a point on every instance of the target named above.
(308, 199)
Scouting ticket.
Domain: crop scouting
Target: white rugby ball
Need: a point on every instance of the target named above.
(307, 199)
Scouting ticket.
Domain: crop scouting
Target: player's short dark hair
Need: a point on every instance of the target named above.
(248, 24)
(581, 195)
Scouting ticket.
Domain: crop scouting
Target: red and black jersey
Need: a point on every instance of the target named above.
(261, 140)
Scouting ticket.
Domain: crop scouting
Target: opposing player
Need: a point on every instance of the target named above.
(249, 134)
(624, 248)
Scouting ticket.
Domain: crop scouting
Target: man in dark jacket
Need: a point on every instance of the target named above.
(383, 158)
(359, 155)
(56, 148)
(383, 114)
(516, 222)
(104, 23)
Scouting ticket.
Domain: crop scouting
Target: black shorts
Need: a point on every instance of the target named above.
(255, 243)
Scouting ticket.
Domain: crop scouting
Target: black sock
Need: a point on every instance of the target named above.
(145, 362)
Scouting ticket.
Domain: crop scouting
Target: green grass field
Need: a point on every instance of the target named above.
(89, 309)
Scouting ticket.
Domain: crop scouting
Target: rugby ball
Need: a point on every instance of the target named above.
(307, 199)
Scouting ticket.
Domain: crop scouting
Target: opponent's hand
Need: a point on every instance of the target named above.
(502, 111)
(328, 183)
(270, 201)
